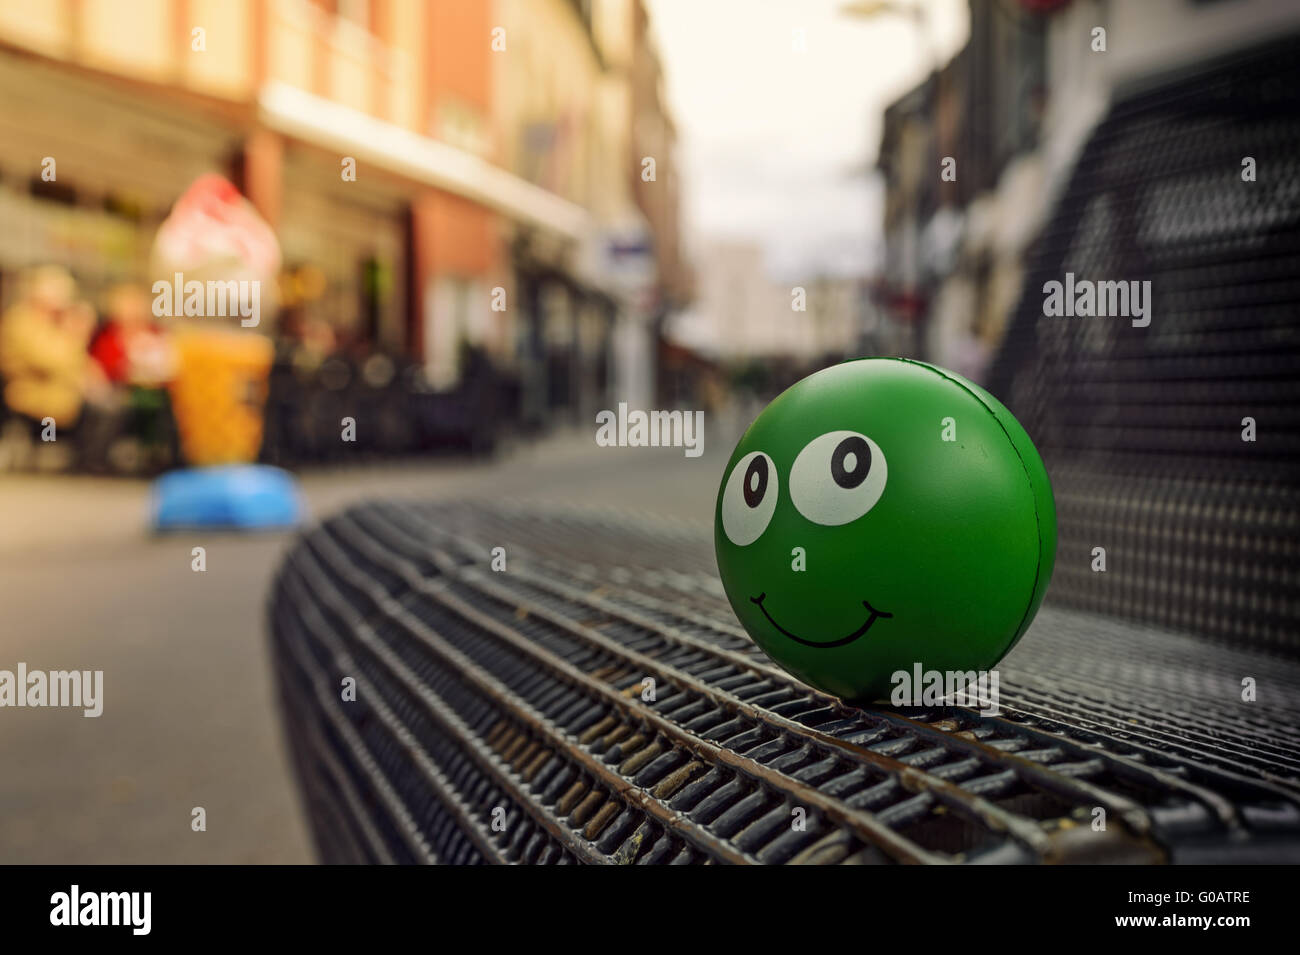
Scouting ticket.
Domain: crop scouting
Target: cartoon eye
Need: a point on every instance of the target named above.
(749, 498)
(837, 477)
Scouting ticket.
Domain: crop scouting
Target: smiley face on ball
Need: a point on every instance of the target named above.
(835, 479)
(883, 513)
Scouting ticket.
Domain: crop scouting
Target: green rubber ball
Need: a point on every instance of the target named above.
(883, 514)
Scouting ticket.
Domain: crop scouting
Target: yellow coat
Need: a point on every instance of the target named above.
(44, 364)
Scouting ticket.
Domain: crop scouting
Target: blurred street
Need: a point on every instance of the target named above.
(421, 250)
(189, 713)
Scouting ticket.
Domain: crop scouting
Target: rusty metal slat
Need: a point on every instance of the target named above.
(1204, 724)
(1146, 775)
(1213, 801)
(1028, 771)
(902, 848)
(470, 545)
(866, 825)
(667, 632)
(1206, 727)
(319, 748)
(970, 806)
(1223, 808)
(1027, 832)
(1230, 798)
(379, 783)
(360, 758)
(333, 824)
(518, 709)
(456, 727)
(1137, 772)
(1044, 703)
(1153, 775)
(487, 685)
(442, 787)
(1080, 791)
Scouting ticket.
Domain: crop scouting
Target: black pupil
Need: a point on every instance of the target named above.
(756, 481)
(845, 477)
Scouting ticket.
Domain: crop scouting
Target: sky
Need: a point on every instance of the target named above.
(776, 144)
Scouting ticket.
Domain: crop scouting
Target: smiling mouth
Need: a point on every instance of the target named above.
(874, 614)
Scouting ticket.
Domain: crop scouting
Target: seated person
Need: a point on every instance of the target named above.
(137, 355)
(43, 359)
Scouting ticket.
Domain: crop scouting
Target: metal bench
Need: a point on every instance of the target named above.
(506, 717)
(518, 697)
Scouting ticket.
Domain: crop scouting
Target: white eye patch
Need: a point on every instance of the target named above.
(838, 477)
(749, 498)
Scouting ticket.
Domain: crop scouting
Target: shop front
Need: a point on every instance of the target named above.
(88, 170)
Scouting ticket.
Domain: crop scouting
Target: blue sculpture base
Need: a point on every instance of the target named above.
(237, 497)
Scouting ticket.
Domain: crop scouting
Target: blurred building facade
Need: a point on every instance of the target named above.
(563, 128)
(741, 313)
(1012, 110)
(494, 148)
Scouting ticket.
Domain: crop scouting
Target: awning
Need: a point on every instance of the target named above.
(372, 141)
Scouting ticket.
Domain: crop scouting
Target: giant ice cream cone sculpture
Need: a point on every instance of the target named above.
(214, 266)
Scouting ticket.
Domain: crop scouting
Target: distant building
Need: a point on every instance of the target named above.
(571, 116)
(740, 313)
(944, 145)
(492, 145)
(134, 99)
(1012, 110)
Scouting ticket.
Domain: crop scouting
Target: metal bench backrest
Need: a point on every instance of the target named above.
(1142, 427)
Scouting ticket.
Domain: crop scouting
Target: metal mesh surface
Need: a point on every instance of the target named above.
(1141, 428)
(516, 698)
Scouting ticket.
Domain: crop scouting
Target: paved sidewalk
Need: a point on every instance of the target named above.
(189, 716)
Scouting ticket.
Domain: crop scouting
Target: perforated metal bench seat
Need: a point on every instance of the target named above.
(500, 717)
